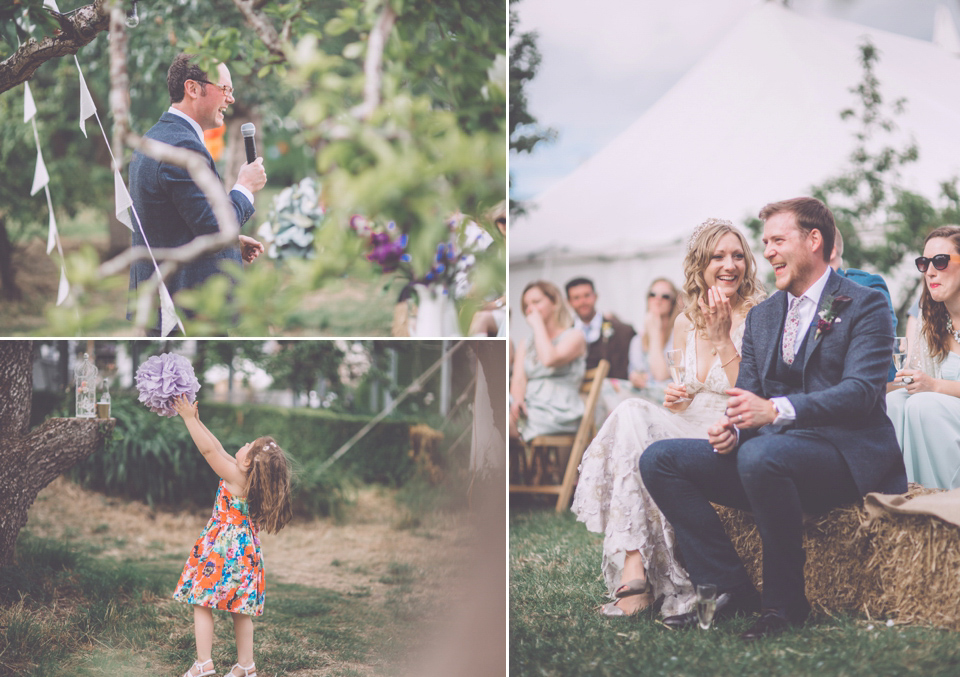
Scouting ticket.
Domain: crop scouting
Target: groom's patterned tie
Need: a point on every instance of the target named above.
(790, 330)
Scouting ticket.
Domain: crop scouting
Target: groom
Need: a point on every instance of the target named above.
(805, 429)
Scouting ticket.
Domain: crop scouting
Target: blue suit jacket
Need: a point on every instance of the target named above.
(173, 210)
(844, 380)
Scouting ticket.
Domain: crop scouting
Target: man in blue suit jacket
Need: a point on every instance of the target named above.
(171, 207)
(805, 429)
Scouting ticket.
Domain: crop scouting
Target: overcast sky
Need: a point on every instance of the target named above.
(605, 62)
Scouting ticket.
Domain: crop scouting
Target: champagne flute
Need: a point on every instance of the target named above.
(900, 355)
(706, 604)
(677, 368)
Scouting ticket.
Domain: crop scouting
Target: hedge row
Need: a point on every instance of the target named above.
(153, 458)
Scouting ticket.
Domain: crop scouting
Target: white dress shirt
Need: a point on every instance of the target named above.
(591, 329)
(196, 128)
(808, 309)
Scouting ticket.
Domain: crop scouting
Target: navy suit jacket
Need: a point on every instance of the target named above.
(843, 399)
(173, 210)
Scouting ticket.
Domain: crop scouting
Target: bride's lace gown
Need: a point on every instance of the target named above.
(611, 498)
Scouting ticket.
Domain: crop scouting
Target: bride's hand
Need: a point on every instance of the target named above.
(675, 397)
(718, 315)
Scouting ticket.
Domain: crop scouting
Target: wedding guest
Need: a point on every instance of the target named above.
(172, 209)
(607, 337)
(548, 367)
(866, 279)
(926, 410)
(648, 370)
(720, 286)
(805, 429)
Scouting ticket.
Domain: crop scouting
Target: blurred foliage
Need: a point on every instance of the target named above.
(434, 146)
(882, 224)
(153, 459)
(525, 131)
(301, 365)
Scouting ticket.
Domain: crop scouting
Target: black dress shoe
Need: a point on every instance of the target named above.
(729, 604)
(772, 622)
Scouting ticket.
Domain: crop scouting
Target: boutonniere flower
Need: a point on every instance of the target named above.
(832, 306)
(606, 330)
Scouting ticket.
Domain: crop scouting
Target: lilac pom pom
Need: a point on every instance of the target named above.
(162, 378)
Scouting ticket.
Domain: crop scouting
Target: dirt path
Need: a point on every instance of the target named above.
(319, 553)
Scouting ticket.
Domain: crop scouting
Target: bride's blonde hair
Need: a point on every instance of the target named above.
(700, 248)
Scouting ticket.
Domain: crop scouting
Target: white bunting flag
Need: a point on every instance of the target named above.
(123, 200)
(168, 313)
(87, 108)
(52, 233)
(40, 176)
(29, 107)
(64, 286)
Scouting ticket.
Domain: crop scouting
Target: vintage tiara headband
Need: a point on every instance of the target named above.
(703, 226)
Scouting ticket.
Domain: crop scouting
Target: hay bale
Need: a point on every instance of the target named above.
(904, 567)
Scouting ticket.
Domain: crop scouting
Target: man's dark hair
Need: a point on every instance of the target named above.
(576, 282)
(182, 69)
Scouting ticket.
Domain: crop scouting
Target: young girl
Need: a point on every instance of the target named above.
(225, 567)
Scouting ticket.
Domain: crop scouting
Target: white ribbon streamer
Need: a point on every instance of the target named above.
(64, 289)
(52, 233)
(29, 107)
(40, 176)
(169, 320)
(123, 200)
(87, 107)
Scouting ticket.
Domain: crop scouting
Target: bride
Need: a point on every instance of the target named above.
(639, 565)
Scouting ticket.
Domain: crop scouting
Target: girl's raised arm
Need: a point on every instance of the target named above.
(213, 452)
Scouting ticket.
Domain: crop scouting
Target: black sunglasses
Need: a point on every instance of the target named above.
(665, 297)
(939, 261)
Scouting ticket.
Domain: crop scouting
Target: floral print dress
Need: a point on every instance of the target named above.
(225, 567)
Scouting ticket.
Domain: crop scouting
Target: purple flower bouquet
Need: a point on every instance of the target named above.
(164, 377)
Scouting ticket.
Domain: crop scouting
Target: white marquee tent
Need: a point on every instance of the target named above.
(756, 120)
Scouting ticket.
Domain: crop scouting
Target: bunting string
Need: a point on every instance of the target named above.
(124, 207)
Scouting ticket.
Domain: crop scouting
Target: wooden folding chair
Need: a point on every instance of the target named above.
(544, 447)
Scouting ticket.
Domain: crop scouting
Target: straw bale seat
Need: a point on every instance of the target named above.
(901, 567)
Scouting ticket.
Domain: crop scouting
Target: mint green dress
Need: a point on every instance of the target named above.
(928, 429)
(553, 394)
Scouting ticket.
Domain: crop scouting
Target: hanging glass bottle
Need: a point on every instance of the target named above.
(103, 407)
(85, 376)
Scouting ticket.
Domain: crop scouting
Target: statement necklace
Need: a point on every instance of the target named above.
(956, 334)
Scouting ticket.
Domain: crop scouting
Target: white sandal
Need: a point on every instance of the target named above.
(249, 671)
(199, 666)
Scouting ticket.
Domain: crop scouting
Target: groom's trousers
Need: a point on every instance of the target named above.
(777, 477)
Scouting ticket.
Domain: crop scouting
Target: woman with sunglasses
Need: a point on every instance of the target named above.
(638, 564)
(925, 409)
(648, 370)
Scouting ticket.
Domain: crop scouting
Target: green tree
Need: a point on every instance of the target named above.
(403, 104)
(525, 132)
(882, 224)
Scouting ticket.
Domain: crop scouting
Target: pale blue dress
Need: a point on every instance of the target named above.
(928, 430)
(553, 394)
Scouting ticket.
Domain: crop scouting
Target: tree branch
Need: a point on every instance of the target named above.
(78, 30)
(262, 26)
(373, 64)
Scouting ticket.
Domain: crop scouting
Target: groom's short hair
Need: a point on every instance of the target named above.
(811, 214)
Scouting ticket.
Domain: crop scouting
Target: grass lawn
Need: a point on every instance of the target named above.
(89, 593)
(556, 587)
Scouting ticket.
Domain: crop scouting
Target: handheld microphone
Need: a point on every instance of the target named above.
(247, 130)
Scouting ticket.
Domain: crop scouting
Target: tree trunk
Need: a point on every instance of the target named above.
(31, 459)
(8, 274)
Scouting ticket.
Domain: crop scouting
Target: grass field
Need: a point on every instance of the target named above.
(555, 630)
(90, 592)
